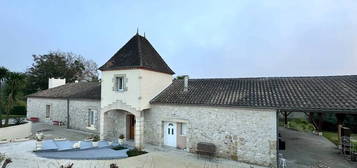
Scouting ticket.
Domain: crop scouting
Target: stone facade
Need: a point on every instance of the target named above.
(248, 135)
(78, 112)
(115, 124)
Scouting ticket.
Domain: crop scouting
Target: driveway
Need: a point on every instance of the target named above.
(306, 150)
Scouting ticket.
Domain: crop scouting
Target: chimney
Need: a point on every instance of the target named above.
(53, 82)
(185, 83)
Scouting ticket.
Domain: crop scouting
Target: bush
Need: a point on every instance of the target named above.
(119, 148)
(135, 152)
(96, 138)
(18, 110)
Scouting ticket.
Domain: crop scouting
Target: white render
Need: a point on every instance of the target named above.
(243, 134)
(53, 82)
(17, 131)
(142, 85)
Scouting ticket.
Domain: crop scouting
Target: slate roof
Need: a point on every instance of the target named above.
(137, 53)
(323, 93)
(81, 90)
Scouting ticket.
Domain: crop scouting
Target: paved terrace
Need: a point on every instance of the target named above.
(158, 157)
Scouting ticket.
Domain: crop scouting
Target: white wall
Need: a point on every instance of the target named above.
(17, 131)
(142, 86)
(53, 82)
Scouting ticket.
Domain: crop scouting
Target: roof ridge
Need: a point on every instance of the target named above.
(273, 77)
(139, 50)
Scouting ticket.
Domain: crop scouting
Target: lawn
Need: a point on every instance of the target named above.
(13, 116)
(332, 136)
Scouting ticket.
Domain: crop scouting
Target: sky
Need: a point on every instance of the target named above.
(200, 38)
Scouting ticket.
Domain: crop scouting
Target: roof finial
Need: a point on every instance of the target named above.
(144, 34)
(137, 30)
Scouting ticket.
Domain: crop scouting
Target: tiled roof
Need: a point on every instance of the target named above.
(81, 90)
(324, 93)
(137, 53)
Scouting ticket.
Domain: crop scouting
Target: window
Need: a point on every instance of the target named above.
(183, 129)
(91, 118)
(119, 83)
(48, 111)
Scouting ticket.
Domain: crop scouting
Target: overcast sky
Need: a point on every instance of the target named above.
(199, 38)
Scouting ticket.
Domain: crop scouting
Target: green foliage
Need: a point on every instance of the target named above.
(333, 137)
(58, 64)
(14, 83)
(300, 125)
(135, 152)
(119, 148)
(18, 110)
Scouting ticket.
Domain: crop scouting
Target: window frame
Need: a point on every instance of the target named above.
(119, 82)
(91, 118)
(48, 111)
(183, 129)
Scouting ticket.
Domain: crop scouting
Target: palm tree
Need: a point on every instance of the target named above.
(14, 84)
(3, 73)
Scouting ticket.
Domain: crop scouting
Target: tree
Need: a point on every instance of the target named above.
(59, 64)
(3, 73)
(14, 83)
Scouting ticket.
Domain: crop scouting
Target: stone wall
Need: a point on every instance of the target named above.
(115, 124)
(247, 135)
(78, 110)
(36, 107)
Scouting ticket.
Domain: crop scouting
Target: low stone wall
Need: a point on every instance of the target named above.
(17, 131)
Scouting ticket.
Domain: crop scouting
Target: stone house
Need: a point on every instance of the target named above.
(139, 98)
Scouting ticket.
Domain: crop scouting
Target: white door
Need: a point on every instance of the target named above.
(170, 134)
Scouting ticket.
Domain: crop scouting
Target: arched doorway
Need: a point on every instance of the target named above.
(119, 122)
(116, 122)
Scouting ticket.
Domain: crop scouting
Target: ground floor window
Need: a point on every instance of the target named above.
(48, 111)
(91, 118)
(183, 129)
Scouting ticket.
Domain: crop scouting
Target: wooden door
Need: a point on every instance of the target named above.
(131, 126)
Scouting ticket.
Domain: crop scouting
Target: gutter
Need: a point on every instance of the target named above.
(68, 113)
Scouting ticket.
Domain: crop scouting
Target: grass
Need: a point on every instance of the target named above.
(3, 116)
(332, 136)
(299, 124)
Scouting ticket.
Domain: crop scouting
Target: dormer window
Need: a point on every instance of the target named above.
(119, 83)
